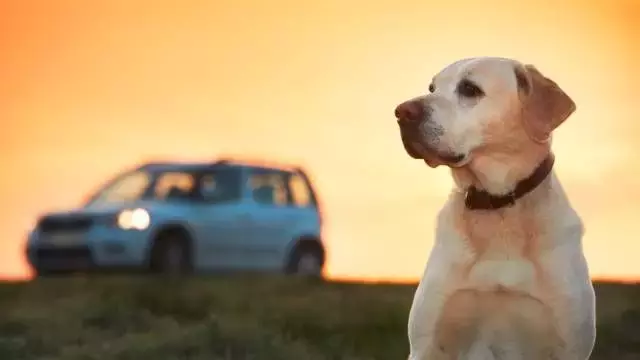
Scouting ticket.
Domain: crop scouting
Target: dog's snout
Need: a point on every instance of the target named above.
(412, 110)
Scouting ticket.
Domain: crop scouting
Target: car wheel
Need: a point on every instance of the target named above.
(171, 255)
(306, 263)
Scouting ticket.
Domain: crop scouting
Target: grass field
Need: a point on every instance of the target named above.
(240, 318)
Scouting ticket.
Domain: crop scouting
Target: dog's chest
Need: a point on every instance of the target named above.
(503, 249)
(495, 292)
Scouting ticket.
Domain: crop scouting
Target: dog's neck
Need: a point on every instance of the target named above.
(496, 182)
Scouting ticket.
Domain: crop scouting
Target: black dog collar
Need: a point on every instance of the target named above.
(482, 200)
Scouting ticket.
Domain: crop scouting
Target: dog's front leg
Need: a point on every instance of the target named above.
(428, 302)
(427, 305)
(425, 311)
(573, 301)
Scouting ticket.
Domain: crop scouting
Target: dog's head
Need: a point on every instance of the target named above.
(480, 107)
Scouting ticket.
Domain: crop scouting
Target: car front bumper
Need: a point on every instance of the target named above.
(95, 249)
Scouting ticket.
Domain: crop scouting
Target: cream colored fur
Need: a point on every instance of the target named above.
(512, 283)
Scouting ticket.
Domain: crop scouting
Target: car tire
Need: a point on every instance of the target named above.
(305, 263)
(170, 255)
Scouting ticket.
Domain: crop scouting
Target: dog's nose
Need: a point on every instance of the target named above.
(411, 110)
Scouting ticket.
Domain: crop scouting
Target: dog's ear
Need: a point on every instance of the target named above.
(544, 104)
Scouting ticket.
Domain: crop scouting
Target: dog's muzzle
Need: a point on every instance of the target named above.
(410, 115)
(411, 138)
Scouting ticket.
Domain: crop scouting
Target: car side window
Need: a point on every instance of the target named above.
(268, 187)
(299, 190)
(221, 185)
(173, 185)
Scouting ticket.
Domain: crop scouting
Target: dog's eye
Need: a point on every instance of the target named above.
(468, 89)
(432, 88)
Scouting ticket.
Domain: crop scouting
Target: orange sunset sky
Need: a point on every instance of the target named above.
(89, 87)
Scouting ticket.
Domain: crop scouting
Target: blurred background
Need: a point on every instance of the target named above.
(88, 88)
(91, 87)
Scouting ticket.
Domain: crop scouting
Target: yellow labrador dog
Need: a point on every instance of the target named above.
(506, 278)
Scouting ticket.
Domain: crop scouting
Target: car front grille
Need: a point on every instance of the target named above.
(55, 224)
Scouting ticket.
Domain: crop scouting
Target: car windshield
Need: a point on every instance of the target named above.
(143, 184)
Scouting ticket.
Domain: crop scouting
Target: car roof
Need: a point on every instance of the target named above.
(199, 166)
(174, 166)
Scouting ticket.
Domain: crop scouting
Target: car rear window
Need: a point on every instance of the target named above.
(301, 195)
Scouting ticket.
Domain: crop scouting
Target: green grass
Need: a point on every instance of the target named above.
(239, 318)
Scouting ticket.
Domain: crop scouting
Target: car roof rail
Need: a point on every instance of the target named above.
(228, 162)
(148, 164)
(261, 163)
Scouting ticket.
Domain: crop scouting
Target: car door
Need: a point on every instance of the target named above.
(268, 208)
(220, 216)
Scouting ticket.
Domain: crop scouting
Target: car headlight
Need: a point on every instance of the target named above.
(134, 219)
